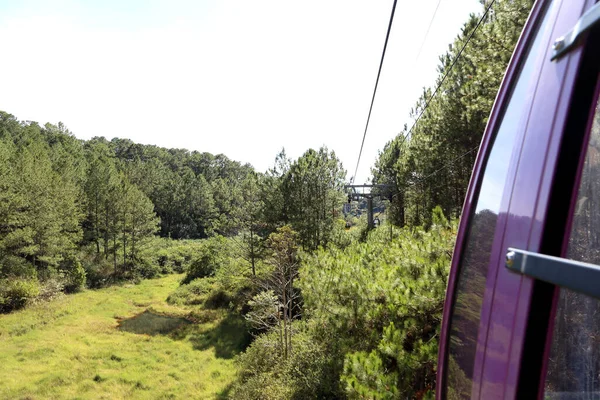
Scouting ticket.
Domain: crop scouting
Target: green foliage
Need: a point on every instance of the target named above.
(16, 293)
(217, 277)
(173, 256)
(98, 270)
(264, 313)
(341, 237)
(312, 192)
(41, 177)
(264, 373)
(433, 166)
(370, 319)
(41, 208)
(366, 376)
(382, 302)
(71, 347)
(195, 292)
(208, 259)
(74, 274)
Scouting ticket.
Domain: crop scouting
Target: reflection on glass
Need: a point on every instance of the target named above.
(574, 365)
(464, 324)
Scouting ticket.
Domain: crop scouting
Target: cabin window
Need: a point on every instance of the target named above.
(574, 363)
(466, 313)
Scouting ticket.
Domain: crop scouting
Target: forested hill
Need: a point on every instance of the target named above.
(189, 190)
(64, 200)
(431, 162)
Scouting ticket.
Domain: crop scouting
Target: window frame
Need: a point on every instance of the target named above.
(563, 202)
(509, 296)
(472, 196)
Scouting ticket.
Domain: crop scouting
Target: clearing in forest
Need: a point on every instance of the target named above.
(119, 342)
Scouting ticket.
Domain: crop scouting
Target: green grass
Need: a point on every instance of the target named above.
(73, 347)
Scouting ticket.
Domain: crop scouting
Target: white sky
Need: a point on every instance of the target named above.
(243, 78)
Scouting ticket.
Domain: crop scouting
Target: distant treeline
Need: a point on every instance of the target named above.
(63, 199)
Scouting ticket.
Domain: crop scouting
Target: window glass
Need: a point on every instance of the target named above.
(464, 323)
(574, 364)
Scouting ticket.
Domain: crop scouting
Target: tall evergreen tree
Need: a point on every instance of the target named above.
(313, 194)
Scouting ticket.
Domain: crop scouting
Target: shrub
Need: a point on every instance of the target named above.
(98, 270)
(207, 291)
(340, 236)
(145, 268)
(208, 259)
(382, 301)
(50, 289)
(192, 293)
(219, 298)
(203, 266)
(172, 255)
(16, 293)
(170, 260)
(73, 273)
(259, 367)
(305, 374)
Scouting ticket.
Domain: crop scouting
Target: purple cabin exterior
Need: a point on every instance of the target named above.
(538, 109)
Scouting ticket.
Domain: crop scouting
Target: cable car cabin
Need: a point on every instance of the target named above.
(522, 315)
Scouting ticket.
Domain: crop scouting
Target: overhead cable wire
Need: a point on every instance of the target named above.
(427, 32)
(418, 181)
(487, 9)
(445, 166)
(387, 36)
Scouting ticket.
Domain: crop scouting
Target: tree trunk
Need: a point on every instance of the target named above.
(132, 246)
(252, 251)
(106, 236)
(96, 223)
(115, 255)
(290, 308)
(124, 251)
(280, 333)
(285, 328)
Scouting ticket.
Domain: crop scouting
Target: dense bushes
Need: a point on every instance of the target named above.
(193, 293)
(93, 270)
(73, 274)
(216, 276)
(99, 271)
(16, 293)
(363, 321)
(208, 259)
(158, 256)
(370, 320)
(266, 374)
(384, 300)
(209, 292)
(173, 256)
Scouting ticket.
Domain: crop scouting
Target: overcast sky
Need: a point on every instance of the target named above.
(244, 78)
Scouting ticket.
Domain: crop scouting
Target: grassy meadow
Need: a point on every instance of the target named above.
(119, 342)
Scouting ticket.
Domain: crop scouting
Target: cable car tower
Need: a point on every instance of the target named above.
(356, 192)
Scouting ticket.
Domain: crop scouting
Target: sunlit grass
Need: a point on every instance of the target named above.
(71, 348)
